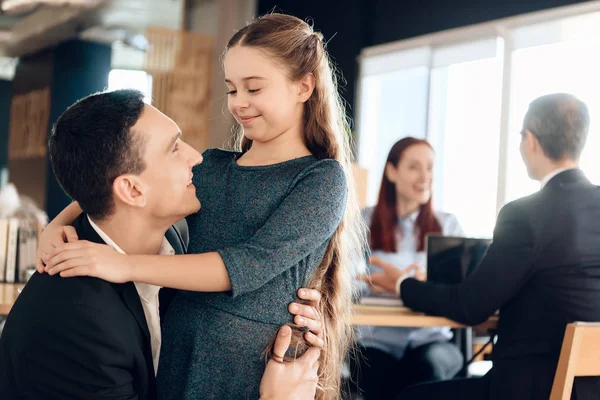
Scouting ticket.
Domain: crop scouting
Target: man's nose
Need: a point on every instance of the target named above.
(192, 155)
(196, 159)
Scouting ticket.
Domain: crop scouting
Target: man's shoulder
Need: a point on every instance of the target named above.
(539, 201)
(523, 204)
(45, 294)
(51, 303)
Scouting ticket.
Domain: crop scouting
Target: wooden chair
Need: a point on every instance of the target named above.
(579, 356)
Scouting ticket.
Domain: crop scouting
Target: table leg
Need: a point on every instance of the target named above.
(463, 338)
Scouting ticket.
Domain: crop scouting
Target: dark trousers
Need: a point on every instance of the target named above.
(379, 375)
(463, 389)
(525, 378)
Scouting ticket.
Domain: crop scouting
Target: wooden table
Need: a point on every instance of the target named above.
(404, 316)
(8, 295)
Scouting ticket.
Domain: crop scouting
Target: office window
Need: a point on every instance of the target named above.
(464, 129)
(393, 105)
(569, 65)
(467, 91)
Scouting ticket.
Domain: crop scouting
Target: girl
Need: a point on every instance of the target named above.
(278, 214)
(393, 358)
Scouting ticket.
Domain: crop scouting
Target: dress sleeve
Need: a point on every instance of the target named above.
(306, 219)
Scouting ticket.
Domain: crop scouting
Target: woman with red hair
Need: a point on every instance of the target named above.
(393, 358)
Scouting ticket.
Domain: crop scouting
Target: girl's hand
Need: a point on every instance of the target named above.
(49, 240)
(308, 315)
(83, 258)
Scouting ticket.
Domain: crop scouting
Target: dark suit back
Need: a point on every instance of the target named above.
(542, 271)
(564, 281)
(78, 338)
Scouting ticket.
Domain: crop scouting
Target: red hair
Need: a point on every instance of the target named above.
(384, 222)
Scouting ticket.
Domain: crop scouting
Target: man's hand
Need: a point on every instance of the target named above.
(385, 281)
(307, 314)
(290, 380)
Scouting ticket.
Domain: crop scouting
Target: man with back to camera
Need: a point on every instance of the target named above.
(86, 338)
(542, 270)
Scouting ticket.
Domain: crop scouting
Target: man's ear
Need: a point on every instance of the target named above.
(130, 189)
(306, 86)
(531, 140)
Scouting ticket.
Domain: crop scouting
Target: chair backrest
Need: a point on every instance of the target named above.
(579, 356)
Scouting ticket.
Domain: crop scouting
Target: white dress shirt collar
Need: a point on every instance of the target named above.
(165, 247)
(551, 175)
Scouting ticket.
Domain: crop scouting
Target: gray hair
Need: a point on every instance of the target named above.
(560, 122)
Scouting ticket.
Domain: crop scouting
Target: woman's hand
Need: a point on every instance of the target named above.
(307, 314)
(385, 281)
(49, 240)
(83, 258)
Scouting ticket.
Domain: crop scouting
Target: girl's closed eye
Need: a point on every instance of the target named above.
(253, 90)
(231, 92)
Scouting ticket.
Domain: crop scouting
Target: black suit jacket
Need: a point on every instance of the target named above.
(78, 338)
(542, 271)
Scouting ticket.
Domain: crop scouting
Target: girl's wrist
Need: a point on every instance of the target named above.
(130, 269)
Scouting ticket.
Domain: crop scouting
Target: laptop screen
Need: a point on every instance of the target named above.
(451, 259)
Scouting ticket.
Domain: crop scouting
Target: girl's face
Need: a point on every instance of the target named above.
(413, 176)
(261, 97)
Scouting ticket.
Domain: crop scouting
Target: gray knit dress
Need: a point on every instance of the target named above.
(271, 225)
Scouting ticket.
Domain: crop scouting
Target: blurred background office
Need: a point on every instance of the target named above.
(459, 74)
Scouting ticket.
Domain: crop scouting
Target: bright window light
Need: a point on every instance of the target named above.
(130, 79)
(567, 67)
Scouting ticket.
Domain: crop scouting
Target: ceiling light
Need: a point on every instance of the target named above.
(12, 6)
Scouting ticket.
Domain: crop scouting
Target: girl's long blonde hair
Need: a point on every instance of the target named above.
(293, 44)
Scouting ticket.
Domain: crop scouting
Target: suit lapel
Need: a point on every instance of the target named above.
(166, 295)
(175, 240)
(127, 291)
(131, 298)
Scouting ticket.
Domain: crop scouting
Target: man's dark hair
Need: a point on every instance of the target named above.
(560, 122)
(92, 143)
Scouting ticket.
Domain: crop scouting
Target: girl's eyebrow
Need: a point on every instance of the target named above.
(248, 78)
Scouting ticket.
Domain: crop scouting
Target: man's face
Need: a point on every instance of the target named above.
(167, 180)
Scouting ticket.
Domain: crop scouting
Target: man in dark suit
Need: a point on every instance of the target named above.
(85, 338)
(542, 270)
